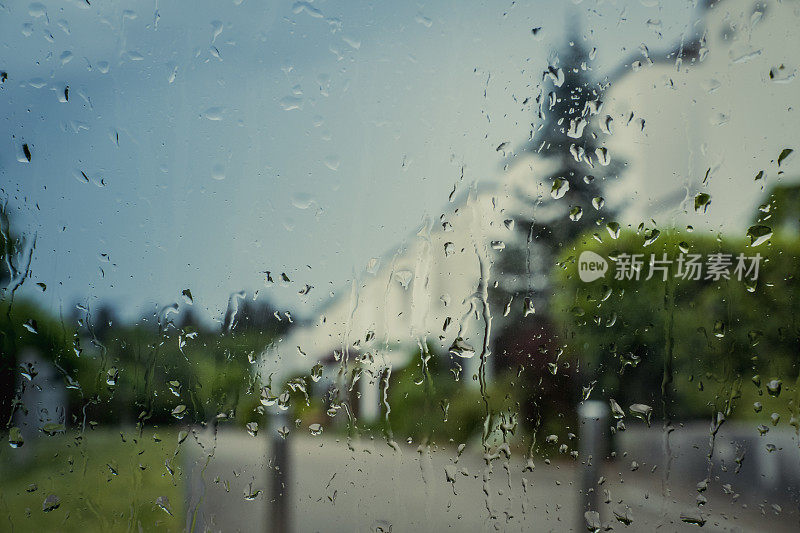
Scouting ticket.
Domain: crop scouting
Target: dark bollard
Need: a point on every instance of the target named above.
(280, 520)
(593, 445)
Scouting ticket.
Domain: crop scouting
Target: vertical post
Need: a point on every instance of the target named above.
(280, 519)
(369, 405)
(593, 445)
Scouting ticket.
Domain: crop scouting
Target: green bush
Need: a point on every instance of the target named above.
(688, 347)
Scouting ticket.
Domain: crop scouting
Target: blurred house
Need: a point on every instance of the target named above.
(431, 293)
(43, 404)
(713, 123)
(705, 116)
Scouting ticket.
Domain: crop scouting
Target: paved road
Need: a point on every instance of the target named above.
(367, 486)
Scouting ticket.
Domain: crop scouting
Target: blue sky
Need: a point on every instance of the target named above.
(237, 137)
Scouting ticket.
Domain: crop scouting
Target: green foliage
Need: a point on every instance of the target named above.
(105, 481)
(432, 406)
(709, 338)
(136, 373)
(156, 373)
(48, 337)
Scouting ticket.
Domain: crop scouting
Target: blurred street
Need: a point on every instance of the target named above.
(367, 486)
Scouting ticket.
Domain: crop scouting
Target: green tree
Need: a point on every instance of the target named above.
(566, 136)
(719, 342)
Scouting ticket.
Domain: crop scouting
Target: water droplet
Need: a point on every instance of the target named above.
(605, 125)
(51, 503)
(112, 376)
(187, 296)
(695, 519)
(174, 387)
(290, 103)
(31, 325)
(598, 202)
(781, 74)
(774, 387)
(528, 308)
(560, 188)
(316, 372)
(332, 162)
(701, 202)
(267, 398)
(53, 428)
(592, 519)
(250, 494)
(602, 156)
(616, 410)
(26, 154)
(214, 113)
(252, 428)
(283, 401)
(404, 277)
(759, 234)
(37, 10)
(218, 172)
(172, 75)
(179, 412)
(300, 7)
(556, 75)
(315, 429)
(613, 229)
(786, 152)
(462, 349)
(15, 438)
(623, 515)
(642, 411)
(650, 236)
(162, 502)
(586, 390)
(576, 127)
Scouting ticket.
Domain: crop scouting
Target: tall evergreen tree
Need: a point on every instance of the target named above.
(563, 201)
(567, 135)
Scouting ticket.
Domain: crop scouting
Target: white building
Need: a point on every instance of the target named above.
(671, 121)
(730, 114)
(430, 291)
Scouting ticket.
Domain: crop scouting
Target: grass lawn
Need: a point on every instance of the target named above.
(104, 479)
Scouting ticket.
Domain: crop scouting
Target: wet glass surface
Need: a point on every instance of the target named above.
(466, 266)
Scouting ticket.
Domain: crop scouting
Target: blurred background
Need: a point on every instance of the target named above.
(317, 267)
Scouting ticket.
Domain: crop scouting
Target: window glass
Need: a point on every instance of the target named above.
(353, 266)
